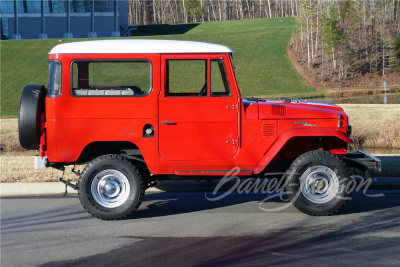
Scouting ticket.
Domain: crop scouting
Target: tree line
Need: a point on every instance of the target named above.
(346, 38)
(147, 12)
(340, 38)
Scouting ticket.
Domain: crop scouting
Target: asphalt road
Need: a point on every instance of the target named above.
(185, 229)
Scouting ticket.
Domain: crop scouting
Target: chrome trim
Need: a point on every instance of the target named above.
(319, 184)
(110, 188)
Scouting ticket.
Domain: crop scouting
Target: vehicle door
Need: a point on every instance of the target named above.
(198, 113)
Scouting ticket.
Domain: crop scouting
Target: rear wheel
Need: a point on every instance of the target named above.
(110, 187)
(318, 183)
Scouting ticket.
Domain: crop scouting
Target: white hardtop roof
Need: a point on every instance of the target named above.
(137, 47)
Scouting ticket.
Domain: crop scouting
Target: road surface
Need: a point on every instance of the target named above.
(186, 229)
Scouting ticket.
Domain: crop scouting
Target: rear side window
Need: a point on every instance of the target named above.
(54, 86)
(116, 78)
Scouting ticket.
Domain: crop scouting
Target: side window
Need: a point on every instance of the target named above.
(186, 78)
(219, 80)
(106, 78)
(54, 86)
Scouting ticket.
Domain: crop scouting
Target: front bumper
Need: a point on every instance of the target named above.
(363, 161)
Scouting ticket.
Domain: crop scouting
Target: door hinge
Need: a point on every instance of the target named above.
(231, 141)
(233, 107)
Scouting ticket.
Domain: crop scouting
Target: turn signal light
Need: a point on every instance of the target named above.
(340, 121)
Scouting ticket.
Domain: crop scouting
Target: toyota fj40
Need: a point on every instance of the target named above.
(139, 111)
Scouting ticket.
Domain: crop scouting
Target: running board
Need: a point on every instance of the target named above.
(215, 172)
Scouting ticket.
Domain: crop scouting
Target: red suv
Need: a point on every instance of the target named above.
(137, 111)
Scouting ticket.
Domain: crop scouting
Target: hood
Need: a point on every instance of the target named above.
(291, 109)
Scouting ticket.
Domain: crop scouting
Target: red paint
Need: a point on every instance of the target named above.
(201, 135)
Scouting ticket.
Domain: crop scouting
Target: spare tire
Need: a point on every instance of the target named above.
(30, 108)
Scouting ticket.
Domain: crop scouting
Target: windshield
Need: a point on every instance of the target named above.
(54, 86)
(232, 62)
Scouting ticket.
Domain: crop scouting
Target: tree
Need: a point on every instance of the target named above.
(331, 34)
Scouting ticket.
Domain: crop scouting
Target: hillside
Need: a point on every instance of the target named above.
(261, 61)
(348, 44)
(313, 75)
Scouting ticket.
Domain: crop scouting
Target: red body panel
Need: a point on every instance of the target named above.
(75, 122)
(193, 135)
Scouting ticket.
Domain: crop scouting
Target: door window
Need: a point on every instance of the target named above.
(186, 78)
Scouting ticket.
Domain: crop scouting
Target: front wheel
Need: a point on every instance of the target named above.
(318, 183)
(110, 187)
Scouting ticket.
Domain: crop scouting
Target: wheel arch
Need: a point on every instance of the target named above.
(99, 148)
(293, 143)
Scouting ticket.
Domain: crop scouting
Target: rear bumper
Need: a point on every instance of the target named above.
(363, 161)
(39, 162)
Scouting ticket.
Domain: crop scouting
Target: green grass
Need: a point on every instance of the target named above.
(261, 61)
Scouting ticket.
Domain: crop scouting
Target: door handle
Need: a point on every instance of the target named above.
(168, 122)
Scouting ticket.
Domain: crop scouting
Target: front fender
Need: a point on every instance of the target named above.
(287, 135)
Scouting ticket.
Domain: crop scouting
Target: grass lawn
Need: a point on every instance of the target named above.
(374, 125)
(261, 61)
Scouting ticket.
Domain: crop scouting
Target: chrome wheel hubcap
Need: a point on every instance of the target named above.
(319, 184)
(110, 188)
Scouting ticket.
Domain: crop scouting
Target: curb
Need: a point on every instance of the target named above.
(44, 189)
(59, 189)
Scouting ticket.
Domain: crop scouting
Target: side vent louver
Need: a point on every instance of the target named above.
(278, 110)
(268, 129)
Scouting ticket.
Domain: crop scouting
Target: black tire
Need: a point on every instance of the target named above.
(317, 183)
(30, 108)
(110, 187)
